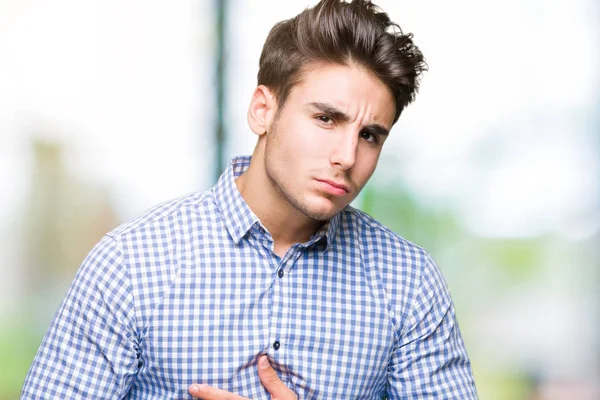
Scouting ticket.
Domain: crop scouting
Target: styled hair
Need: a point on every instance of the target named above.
(356, 32)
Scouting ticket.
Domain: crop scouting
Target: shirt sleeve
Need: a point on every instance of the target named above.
(430, 360)
(91, 348)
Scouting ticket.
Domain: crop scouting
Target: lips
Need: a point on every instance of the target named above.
(338, 187)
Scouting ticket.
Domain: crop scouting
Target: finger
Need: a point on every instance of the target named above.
(270, 380)
(206, 392)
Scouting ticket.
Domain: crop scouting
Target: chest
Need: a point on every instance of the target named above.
(322, 322)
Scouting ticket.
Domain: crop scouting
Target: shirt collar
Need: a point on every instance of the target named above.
(326, 234)
(238, 217)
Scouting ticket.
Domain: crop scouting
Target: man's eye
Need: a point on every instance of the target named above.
(324, 119)
(369, 137)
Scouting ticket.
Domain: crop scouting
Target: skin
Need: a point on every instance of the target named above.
(267, 376)
(331, 128)
(313, 156)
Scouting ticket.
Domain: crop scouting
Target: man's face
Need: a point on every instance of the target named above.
(324, 144)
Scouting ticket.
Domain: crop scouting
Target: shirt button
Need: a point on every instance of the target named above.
(261, 230)
(280, 273)
(276, 345)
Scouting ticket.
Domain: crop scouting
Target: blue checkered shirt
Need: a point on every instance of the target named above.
(192, 292)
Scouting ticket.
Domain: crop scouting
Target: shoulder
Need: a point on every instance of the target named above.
(146, 252)
(402, 269)
(393, 255)
(379, 239)
(150, 232)
(152, 243)
(169, 215)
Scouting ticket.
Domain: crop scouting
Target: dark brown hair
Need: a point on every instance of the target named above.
(343, 33)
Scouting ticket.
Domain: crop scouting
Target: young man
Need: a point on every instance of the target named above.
(198, 295)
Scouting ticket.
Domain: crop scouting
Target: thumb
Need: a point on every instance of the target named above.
(270, 380)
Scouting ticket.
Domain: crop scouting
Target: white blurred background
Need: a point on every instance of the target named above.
(109, 107)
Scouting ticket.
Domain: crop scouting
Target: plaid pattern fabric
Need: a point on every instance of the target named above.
(191, 292)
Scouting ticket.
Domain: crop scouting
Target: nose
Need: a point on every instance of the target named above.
(343, 155)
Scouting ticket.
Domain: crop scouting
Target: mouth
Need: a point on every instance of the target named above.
(335, 188)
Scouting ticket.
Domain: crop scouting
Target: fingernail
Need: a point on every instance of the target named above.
(194, 388)
(264, 362)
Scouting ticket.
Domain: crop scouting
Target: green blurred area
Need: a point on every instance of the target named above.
(479, 271)
(19, 341)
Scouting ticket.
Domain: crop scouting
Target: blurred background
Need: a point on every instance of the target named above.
(109, 107)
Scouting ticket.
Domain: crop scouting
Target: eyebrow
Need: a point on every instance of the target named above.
(339, 115)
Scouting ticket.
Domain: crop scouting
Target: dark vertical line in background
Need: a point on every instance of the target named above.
(221, 26)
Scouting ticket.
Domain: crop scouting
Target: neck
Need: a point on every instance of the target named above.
(285, 223)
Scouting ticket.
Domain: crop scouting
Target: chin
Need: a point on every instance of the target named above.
(322, 210)
(321, 216)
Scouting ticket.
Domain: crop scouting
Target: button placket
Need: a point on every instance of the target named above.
(277, 316)
(280, 322)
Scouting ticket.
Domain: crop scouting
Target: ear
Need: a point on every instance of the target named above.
(262, 110)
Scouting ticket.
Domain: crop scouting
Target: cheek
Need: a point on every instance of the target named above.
(303, 142)
(365, 167)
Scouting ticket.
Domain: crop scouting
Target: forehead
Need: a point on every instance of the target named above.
(352, 89)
